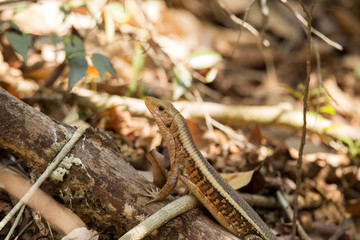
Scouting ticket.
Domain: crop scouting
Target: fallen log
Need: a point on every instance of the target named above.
(103, 189)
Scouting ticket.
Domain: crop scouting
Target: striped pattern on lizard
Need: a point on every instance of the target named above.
(202, 180)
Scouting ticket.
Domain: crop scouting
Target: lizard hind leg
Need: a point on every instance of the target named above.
(168, 187)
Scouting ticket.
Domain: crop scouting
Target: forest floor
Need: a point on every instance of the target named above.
(194, 51)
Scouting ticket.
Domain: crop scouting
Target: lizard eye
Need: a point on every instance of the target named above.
(168, 125)
(161, 108)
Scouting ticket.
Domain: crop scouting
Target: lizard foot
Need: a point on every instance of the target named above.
(150, 192)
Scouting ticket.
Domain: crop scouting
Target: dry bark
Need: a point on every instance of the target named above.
(103, 190)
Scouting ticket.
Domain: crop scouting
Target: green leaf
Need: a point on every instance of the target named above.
(20, 9)
(211, 75)
(357, 144)
(315, 91)
(320, 100)
(182, 75)
(13, 25)
(77, 42)
(357, 72)
(138, 60)
(56, 40)
(119, 12)
(109, 27)
(73, 47)
(346, 140)
(78, 67)
(295, 93)
(94, 12)
(203, 58)
(102, 64)
(75, 3)
(179, 89)
(300, 86)
(137, 65)
(327, 109)
(66, 40)
(9, 22)
(66, 7)
(20, 42)
(181, 81)
(78, 53)
(317, 117)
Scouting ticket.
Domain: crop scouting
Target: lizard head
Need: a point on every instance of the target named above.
(162, 111)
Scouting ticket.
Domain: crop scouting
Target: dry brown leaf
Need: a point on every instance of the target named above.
(256, 136)
(353, 207)
(239, 179)
(176, 31)
(197, 133)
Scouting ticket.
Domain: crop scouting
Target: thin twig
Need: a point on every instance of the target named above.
(23, 230)
(264, 18)
(206, 113)
(320, 82)
(240, 22)
(17, 219)
(285, 205)
(305, 107)
(247, 10)
(52, 166)
(313, 30)
(233, 134)
(345, 225)
(161, 217)
(210, 122)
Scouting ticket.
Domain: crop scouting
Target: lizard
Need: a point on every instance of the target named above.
(202, 180)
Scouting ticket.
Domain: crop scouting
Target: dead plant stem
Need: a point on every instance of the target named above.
(305, 107)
